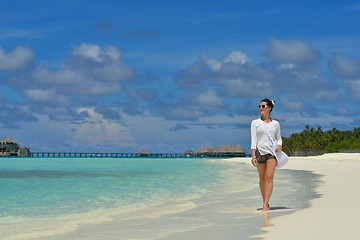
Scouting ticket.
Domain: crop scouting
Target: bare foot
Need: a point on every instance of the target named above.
(266, 208)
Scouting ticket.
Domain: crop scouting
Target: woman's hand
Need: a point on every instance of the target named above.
(278, 148)
(254, 161)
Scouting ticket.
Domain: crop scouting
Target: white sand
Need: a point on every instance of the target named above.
(333, 216)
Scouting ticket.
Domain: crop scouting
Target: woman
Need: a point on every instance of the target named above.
(262, 153)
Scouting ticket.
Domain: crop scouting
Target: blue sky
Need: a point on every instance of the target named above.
(167, 76)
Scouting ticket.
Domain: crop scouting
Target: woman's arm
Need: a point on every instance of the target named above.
(278, 138)
(253, 141)
(253, 136)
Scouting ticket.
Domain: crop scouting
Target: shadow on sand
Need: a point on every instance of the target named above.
(276, 209)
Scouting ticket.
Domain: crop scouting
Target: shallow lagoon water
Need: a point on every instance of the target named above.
(60, 197)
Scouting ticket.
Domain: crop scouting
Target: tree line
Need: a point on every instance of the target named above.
(317, 139)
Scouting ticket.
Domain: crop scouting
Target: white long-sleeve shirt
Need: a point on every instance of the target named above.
(259, 137)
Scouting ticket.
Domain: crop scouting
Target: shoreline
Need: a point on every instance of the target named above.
(332, 216)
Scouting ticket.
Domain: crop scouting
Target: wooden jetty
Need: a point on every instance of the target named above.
(102, 155)
(134, 155)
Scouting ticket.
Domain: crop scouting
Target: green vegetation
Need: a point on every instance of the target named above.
(317, 139)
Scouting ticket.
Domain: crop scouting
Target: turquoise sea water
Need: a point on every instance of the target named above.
(35, 187)
(51, 198)
(57, 195)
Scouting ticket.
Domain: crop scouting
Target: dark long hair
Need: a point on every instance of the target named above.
(269, 103)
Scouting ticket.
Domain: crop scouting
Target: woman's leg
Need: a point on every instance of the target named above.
(269, 182)
(261, 167)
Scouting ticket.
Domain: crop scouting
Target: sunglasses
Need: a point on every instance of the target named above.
(263, 106)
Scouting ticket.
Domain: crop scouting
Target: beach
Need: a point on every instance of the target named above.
(332, 216)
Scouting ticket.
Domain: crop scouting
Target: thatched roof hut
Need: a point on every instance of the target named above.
(8, 140)
(222, 149)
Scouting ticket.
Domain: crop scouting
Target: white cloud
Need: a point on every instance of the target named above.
(18, 58)
(210, 99)
(236, 57)
(348, 70)
(92, 134)
(354, 86)
(147, 129)
(100, 63)
(98, 132)
(229, 78)
(223, 84)
(76, 82)
(214, 64)
(96, 52)
(182, 112)
(287, 66)
(47, 96)
(90, 74)
(60, 78)
(303, 81)
(345, 67)
(240, 87)
(92, 70)
(291, 52)
(70, 94)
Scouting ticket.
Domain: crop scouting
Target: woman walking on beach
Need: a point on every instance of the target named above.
(262, 154)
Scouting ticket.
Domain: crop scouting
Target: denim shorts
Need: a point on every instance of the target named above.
(261, 159)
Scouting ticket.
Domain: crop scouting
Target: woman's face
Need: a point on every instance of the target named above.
(264, 108)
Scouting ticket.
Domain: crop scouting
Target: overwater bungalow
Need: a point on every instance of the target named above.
(9, 148)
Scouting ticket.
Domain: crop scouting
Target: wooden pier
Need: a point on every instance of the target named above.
(132, 155)
(102, 155)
